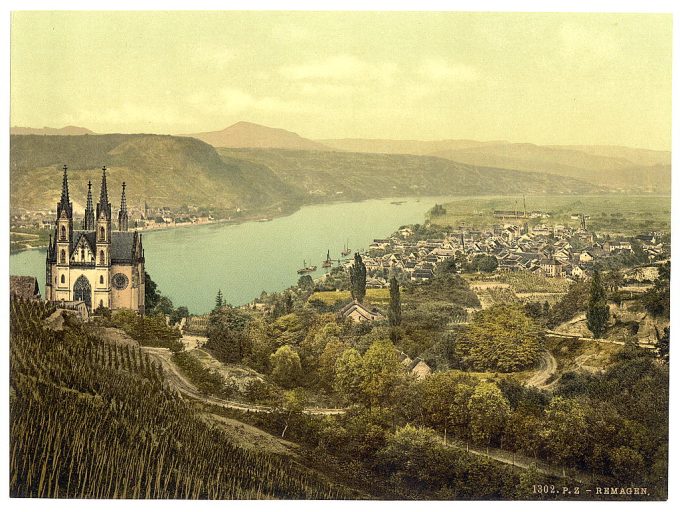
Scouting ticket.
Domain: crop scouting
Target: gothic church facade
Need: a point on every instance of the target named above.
(95, 264)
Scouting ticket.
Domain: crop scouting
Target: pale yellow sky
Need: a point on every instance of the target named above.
(541, 78)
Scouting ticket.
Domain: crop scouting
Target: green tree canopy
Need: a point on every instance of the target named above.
(286, 367)
(597, 314)
(501, 338)
(357, 278)
(489, 411)
(394, 313)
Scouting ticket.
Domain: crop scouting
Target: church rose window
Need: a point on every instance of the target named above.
(120, 281)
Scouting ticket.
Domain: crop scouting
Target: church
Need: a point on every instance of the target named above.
(96, 264)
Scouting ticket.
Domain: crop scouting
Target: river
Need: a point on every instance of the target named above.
(191, 263)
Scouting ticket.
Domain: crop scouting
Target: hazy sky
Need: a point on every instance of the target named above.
(541, 78)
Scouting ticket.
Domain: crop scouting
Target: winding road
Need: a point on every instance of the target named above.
(186, 388)
(547, 366)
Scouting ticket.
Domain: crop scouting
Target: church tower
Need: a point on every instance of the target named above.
(64, 236)
(103, 243)
(88, 221)
(123, 213)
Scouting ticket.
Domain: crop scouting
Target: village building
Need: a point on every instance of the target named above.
(357, 312)
(96, 264)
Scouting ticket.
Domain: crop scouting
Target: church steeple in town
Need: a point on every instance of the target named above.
(123, 213)
(103, 206)
(88, 222)
(65, 204)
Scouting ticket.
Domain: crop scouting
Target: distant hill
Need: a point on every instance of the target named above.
(160, 169)
(409, 147)
(615, 167)
(66, 130)
(343, 175)
(250, 135)
(165, 170)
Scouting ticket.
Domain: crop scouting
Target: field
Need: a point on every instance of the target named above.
(377, 296)
(616, 214)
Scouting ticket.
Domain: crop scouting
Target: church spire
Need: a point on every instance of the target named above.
(104, 206)
(88, 223)
(65, 203)
(123, 213)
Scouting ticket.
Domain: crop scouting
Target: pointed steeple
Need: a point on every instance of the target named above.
(88, 222)
(103, 206)
(64, 202)
(123, 213)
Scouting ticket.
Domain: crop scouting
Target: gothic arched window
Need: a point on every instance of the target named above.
(82, 254)
(63, 279)
(101, 279)
(101, 233)
(102, 258)
(63, 232)
(62, 256)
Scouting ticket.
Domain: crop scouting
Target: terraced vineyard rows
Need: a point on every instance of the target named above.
(92, 419)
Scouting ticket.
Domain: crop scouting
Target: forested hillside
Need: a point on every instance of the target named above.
(339, 175)
(164, 170)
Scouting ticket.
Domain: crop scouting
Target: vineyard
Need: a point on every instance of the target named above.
(92, 419)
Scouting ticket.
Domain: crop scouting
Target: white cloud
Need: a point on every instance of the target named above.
(341, 68)
(442, 71)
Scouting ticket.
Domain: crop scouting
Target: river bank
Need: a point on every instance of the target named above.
(190, 263)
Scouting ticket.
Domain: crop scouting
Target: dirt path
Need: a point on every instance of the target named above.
(181, 384)
(546, 369)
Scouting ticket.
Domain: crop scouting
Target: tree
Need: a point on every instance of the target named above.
(483, 263)
(597, 314)
(226, 338)
(394, 313)
(349, 375)
(151, 293)
(219, 300)
(381, 371)
(564, 429)
(489, 410)
(357, 278)
(163, 306)
(328, 361)
(261, 346)
(501, 338)
(178, 313)
(657, 300)
(286, 367)
(306, 282)
(449, 266)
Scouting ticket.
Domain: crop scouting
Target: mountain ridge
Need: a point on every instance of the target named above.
(252, 135)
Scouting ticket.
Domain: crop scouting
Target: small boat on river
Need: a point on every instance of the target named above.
(329, 262)
(306, 269)
(346, 250)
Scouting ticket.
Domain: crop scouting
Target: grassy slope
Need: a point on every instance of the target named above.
(171, 171)
(331, 175)
(162, 170)
(625, 214)
(109, 428)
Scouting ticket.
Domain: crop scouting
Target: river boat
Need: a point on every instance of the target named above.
(329, 262)
(346, 250)
(306, 269)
